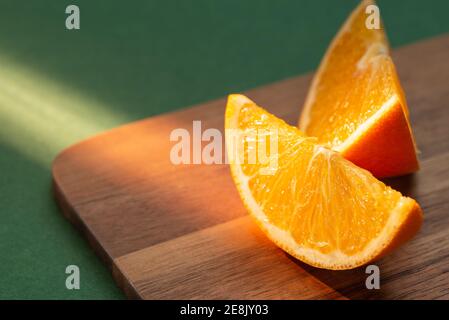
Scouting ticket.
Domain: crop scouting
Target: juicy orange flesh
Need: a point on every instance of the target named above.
(356, 81)
(324, 201)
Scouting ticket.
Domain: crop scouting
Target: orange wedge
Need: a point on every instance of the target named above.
(356, 105)
(313, 203)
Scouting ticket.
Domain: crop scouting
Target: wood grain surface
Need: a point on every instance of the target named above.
(180, 231)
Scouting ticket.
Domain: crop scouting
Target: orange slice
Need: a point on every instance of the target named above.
(314, 204)
(356, 105)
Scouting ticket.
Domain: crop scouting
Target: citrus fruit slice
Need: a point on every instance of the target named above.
(356, 105)
(314, 204)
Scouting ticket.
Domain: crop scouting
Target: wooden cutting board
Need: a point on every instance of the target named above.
(180, 231)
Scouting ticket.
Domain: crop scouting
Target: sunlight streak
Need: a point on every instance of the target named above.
(39, 116)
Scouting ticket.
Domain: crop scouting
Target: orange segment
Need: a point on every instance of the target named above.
(316, 205)
(356, 104)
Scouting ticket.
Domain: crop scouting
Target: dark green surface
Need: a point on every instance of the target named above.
(129, 62)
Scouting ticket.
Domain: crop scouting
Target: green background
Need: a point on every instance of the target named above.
(130, 60)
